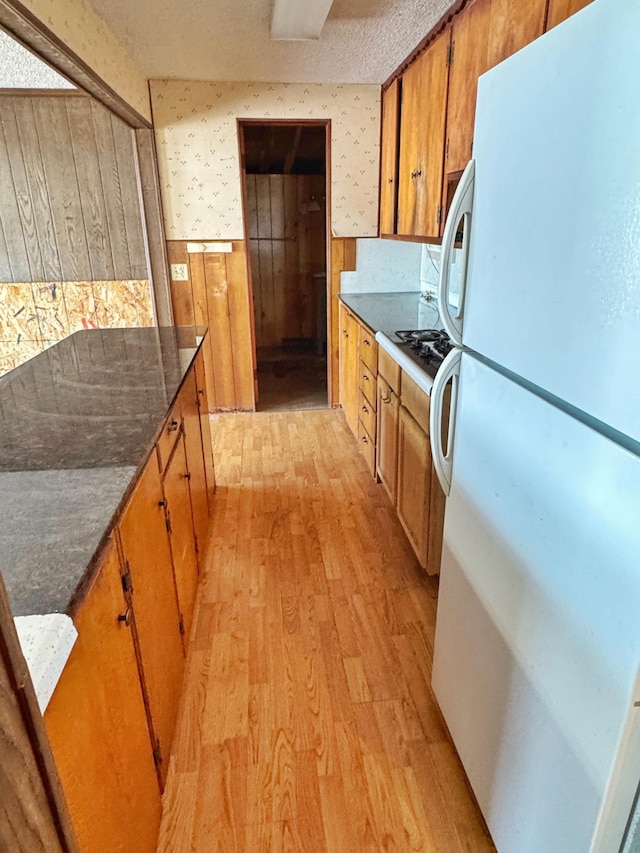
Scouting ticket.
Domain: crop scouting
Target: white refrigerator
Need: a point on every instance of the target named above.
(537, 647)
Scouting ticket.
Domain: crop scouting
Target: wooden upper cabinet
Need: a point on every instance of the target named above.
(470, 45)
(422, 130)
(560, 10)
(389, 158)
(514, 24)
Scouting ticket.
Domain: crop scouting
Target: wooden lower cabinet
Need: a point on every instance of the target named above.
(97, 727)
(205, 426)
(181, 522)
(146, 553)
(349, 367)
(195, 460)
(388, 410)
(414, 482)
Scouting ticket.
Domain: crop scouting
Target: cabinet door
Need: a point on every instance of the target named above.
(470, 43)
(560, 10)
(389, 158)
(147, 554)
(414, 483)
(181, 534)
(514, 24)
(205, 424)
(387, 440)
(195, 461)
(422, 130)
(97, 727)
(349, 368)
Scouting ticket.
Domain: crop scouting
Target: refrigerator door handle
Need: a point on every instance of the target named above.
(443, 460)
(461, 207)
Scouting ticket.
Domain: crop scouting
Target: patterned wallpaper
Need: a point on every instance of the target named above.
(196, 132)
(75, 22)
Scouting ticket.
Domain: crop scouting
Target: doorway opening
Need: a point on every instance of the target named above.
(285, 201)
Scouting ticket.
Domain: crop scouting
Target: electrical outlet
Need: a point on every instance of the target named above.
(179, 272)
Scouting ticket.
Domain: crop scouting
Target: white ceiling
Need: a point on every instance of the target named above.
(20, 69)
(363, 41)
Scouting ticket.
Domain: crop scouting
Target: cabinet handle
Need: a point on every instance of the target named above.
(365, 439)
(187, 476)
(365, 410)
(390, 180)
(386, 399)
(173, 426)
(367, 343)
(125, 617)
(418, 173)
(201, 392)
(163, 503)
(345, 333)
(365, 377)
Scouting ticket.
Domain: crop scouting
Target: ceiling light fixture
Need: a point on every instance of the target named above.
(298, 20)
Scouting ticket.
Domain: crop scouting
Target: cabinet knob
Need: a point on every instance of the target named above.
(201, 392)
(163, 503)
(367, 343)
(365, 410)
(187, 476)
(125, 617)
(365, 439)
(386, 399)
(172, 426)
(390, 180)
(418, 173)
(365, 377)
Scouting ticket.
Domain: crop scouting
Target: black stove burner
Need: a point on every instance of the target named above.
(427, 346)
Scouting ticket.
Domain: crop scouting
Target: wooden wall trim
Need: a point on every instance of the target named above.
(156, 245)
(27, 795)
(25, 28)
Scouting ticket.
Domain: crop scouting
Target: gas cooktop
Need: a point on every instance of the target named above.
(426, 347)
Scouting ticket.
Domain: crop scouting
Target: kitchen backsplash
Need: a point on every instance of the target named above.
(383, 266)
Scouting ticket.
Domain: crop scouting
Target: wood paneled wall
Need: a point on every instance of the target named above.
(69, 200)
(287, 244)
(343, 257)
(217, 295)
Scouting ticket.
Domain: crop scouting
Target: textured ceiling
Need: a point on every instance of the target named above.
(363, 41)
(20, 69)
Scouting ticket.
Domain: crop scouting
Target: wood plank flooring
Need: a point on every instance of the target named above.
(308, 723)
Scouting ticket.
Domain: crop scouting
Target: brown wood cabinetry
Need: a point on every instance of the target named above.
(205, 425)
(388, 408)
(97, 726)
(195, 461)
(422, 130)
(514, 24)
(414, 482)
(181, 534)
(470, 45)
(146, 553)
(389, 158)
(349, 367)
(560, 10)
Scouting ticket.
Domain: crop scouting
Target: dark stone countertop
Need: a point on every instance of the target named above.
(392, 312)
(77, 423)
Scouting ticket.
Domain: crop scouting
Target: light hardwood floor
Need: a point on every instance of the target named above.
(308, 722)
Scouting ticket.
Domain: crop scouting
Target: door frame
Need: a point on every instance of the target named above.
(330, 307)
(25, 28)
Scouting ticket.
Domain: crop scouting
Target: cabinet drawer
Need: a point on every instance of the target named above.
(389, 369)
(368, 448)
(367, 383)
(169, 435)
(367, 415)
(369, 349)
(415, 400)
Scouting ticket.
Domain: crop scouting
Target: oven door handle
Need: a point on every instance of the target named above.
(461, 208)
(449, 371)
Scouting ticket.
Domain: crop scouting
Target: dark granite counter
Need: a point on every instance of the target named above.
(77, 423)
(391, 312)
